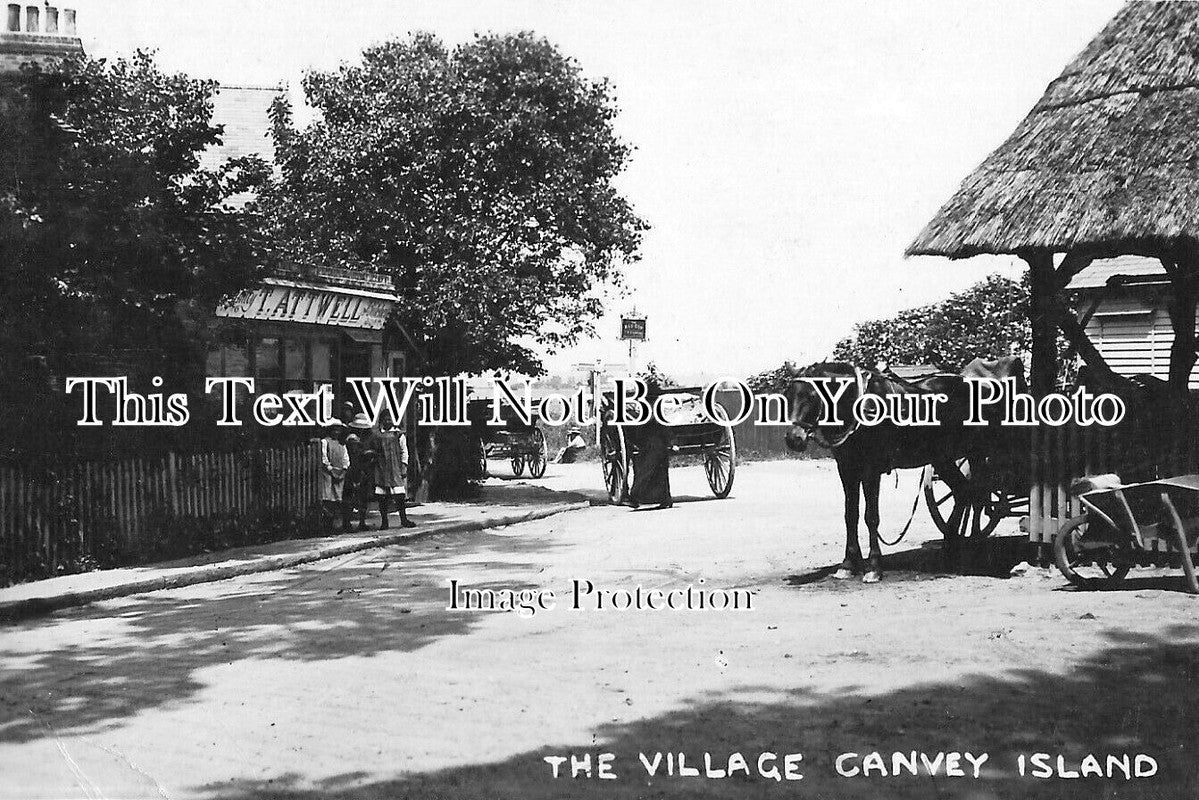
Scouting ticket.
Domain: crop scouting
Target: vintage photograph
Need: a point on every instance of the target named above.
(629, 400)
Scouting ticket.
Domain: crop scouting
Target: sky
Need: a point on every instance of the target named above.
(786, 152)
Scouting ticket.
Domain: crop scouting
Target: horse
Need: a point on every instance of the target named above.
(864, 452)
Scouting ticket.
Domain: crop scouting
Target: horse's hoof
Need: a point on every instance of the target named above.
(872, 577)
(843, 574)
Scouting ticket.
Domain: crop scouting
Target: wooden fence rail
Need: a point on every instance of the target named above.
(53, 519)
(1141, 448)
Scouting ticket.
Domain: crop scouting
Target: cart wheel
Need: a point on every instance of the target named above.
(617, 466)
(974, 510)
(539, 458)
(720, 461)
(1086, 568)
(518, 465)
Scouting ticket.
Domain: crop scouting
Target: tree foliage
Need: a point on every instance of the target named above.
(988, 320)
(480, 178)
(114, 242)
(653, 376)
(769, 381)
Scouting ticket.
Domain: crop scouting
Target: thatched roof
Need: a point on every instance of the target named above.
(1109, 157)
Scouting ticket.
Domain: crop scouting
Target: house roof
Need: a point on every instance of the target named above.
(1108, 158)
(243, 111)
(1101, 270)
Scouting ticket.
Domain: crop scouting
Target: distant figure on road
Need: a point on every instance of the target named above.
(575, 445)
(651, 464)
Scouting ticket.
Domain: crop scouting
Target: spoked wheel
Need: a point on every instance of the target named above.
(518, 465)
(965, 503)
(538, 459)
(1097, 566)
(617, 466)
(720, 461)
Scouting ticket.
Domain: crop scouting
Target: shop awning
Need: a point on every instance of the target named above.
(364, 335)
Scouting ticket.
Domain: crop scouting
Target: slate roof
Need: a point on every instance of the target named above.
(1100, 270)
(243, 112)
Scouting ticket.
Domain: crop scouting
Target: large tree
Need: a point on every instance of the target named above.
(481, 178)
(114, 242)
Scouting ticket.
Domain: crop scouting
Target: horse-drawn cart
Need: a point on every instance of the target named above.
(519, 443)
(696, 434)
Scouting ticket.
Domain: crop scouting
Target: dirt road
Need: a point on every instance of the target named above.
(350, 678)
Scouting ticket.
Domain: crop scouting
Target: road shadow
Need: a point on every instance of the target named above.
(992, 557)
(1128, 697)
(1139, 583)
(388, 599)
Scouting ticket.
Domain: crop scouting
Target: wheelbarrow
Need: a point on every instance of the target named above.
(1123, 525)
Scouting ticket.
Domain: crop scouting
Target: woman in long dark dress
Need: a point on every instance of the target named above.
(651, 465)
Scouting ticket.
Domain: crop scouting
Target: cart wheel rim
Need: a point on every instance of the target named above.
(973, 511)
(1086, 568)
(614, 458)
(539, 459)
(720, 461)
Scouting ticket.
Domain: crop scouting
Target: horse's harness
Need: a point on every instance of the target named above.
(814, 432)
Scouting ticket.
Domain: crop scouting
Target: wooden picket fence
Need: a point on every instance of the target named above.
(52, 520)
(1141, 448)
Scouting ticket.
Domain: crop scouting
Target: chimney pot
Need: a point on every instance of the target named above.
(31, 19)
(68, 21)
(51, 23)
(14, 17)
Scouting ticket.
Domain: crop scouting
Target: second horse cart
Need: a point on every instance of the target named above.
(710, 440)
(522, 444)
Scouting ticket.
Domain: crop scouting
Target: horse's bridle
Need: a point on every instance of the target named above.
(814, 431)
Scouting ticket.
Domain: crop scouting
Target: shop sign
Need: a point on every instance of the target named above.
(311, 306)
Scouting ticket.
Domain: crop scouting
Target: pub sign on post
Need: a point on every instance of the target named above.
(632, 328)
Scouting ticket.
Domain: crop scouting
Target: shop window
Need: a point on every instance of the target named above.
(268, 366)
(214, 366)
(227, 360)
(322, 361)
(237, 361)
(295, 366)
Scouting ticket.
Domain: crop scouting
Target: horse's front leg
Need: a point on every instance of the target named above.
(850, 481)
(874, 564)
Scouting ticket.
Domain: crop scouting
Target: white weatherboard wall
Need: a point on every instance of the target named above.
(1134, 336)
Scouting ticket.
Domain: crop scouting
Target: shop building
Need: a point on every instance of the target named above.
(305, 328)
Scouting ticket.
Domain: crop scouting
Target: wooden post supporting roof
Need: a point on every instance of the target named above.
(1042, 288)
(1184, 282)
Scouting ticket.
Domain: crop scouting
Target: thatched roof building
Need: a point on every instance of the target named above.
(1107, 160)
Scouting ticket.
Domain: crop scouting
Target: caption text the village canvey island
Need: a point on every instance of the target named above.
(443, 401)
(782, 767)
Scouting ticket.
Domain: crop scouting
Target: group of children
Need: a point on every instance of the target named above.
(361, 463)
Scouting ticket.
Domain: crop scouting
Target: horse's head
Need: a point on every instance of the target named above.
(805, 404)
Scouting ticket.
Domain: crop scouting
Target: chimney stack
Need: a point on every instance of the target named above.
(37, 34)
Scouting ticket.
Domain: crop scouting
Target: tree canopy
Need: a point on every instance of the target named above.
(114, 242)
(481, 178)
(988, 320)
